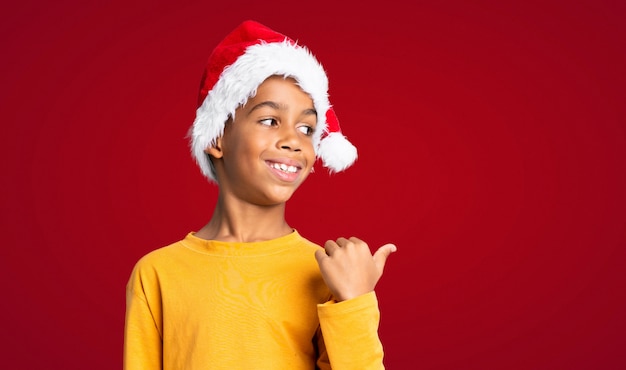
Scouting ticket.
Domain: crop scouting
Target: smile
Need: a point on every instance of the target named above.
(283, 167)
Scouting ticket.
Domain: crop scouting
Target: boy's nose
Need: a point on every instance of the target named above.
(289, 140)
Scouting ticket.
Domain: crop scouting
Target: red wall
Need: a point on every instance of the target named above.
(492, 143)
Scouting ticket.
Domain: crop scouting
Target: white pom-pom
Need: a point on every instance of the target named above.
(336, 152)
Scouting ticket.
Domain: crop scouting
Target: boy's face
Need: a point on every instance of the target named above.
(266, 152)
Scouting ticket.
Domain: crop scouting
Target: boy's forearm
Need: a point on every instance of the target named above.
(350, 331)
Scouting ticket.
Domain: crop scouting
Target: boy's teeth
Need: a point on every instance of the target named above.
(284, 167)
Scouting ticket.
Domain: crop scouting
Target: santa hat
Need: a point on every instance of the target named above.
(238, 65)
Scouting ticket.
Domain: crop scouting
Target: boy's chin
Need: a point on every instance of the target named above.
(279, 196)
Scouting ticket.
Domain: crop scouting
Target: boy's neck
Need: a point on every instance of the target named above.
(245, 224)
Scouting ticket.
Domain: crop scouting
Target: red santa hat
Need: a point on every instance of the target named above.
(238, 65)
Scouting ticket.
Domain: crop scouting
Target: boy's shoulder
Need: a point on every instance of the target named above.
(159, 256)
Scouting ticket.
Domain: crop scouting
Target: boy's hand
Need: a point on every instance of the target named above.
(348, 267)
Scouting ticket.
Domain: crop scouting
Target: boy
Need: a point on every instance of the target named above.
(246, 291)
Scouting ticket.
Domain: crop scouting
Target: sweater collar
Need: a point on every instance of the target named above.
(251, 249)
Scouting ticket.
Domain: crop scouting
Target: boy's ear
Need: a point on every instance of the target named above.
(215, 150)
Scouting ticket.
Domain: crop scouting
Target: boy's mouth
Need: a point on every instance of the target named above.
(283, 167)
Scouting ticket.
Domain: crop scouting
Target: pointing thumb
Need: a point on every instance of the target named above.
(380, 256)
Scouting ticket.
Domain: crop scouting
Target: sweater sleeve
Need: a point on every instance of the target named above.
(142, 338)
(350, 331)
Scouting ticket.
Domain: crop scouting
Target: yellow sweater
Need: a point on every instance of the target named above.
(199, 304)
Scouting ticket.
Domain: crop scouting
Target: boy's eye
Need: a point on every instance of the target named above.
(307, 130)
(268, 122)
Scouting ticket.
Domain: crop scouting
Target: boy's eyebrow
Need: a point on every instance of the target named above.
(277, 106)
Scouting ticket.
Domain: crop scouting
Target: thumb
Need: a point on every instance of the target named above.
(380, 256)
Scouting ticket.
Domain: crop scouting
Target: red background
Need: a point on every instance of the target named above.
(492, 142)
